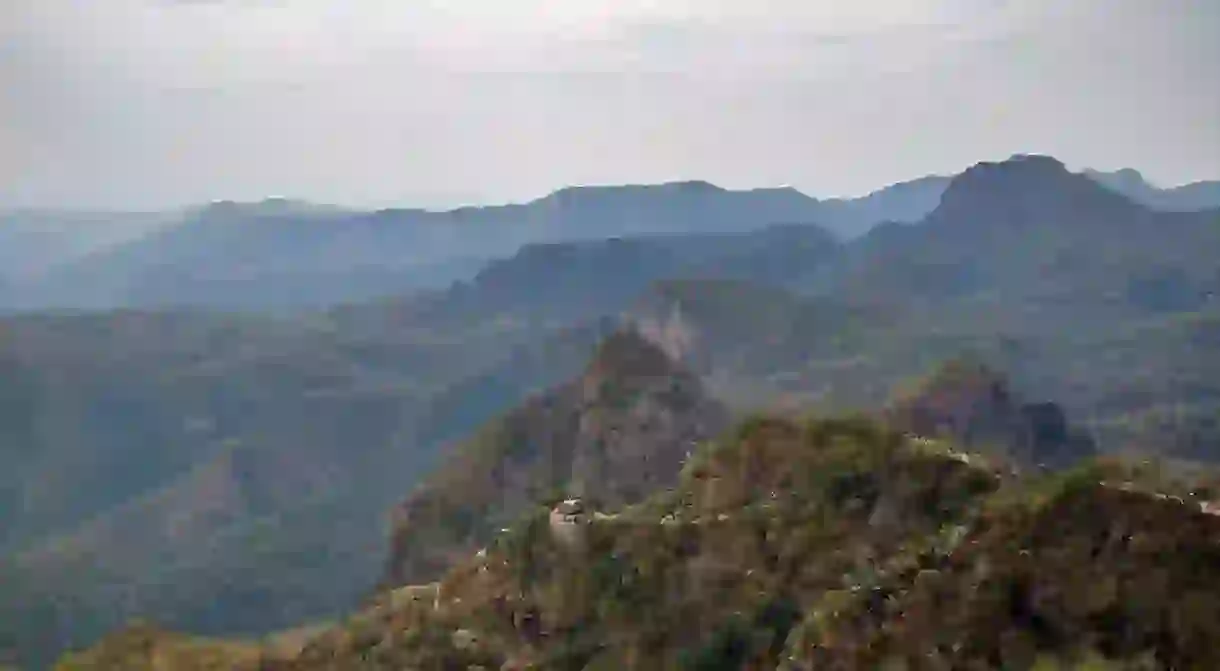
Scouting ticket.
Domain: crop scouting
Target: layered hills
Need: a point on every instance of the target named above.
(1199, 195)
(231, 475)
(826, 543)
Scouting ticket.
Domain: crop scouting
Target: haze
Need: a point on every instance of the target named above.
(147, 104)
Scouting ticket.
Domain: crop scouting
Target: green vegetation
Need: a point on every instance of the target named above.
(145, 648)
(616, 433)
(229, 474)
(824, 544)
(224, 474)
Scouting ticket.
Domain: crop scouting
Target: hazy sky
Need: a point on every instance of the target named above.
(149, 103)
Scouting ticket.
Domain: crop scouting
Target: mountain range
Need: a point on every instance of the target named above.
(234, 473)
(285, 254)
(1199, 195)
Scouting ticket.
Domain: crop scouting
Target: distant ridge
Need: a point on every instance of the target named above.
(1023, 189)
(1194, 196)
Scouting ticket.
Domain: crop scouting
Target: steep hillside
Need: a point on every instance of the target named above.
(715, 570)
(619, 431)
(1146, 383)
(827, 544)
(1091, 572)
(203, 470)
(905, 202)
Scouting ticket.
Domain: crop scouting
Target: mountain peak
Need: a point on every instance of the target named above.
(1129, 174)
(612, 436)
(692, 185)
(1121, 179)
(688, 187)
(1025, 189)
(973, 405)
(1018, 166)
(627, 353)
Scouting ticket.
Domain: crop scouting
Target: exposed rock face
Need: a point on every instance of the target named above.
(568, 520)
(670, 332)
(972, 405)
(617, 433)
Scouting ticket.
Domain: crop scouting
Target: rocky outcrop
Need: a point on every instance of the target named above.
(617, 433)
(973, 406)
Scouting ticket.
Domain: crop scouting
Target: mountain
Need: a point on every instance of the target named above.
(757, 344)
(228, 474)
(278, 254)
(700, 207)
(828, 543)
(1026, 234)
(1145, 382)
(1078, 572)
(561, 282)
(972, 406)
(1027, 191)
(285, 254)
(905, 202)
(619, 431)
(202, 469)
(1061, 282)
(252, 255)
(1185, 198)
(767, 523)
(592, 212)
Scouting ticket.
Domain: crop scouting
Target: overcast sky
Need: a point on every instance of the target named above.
(153, 103)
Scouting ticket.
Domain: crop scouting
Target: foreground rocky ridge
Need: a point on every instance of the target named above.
(823, 544)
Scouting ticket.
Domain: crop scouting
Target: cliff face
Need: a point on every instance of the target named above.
(618, 432)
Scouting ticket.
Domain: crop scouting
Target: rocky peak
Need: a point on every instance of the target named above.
(628, 358)
(1127, 181)
(618, 432)
(973, 405)
(1023, 191)
(1130, 177)
(639, 413)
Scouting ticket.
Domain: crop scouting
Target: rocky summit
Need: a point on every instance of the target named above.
(619, 431)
